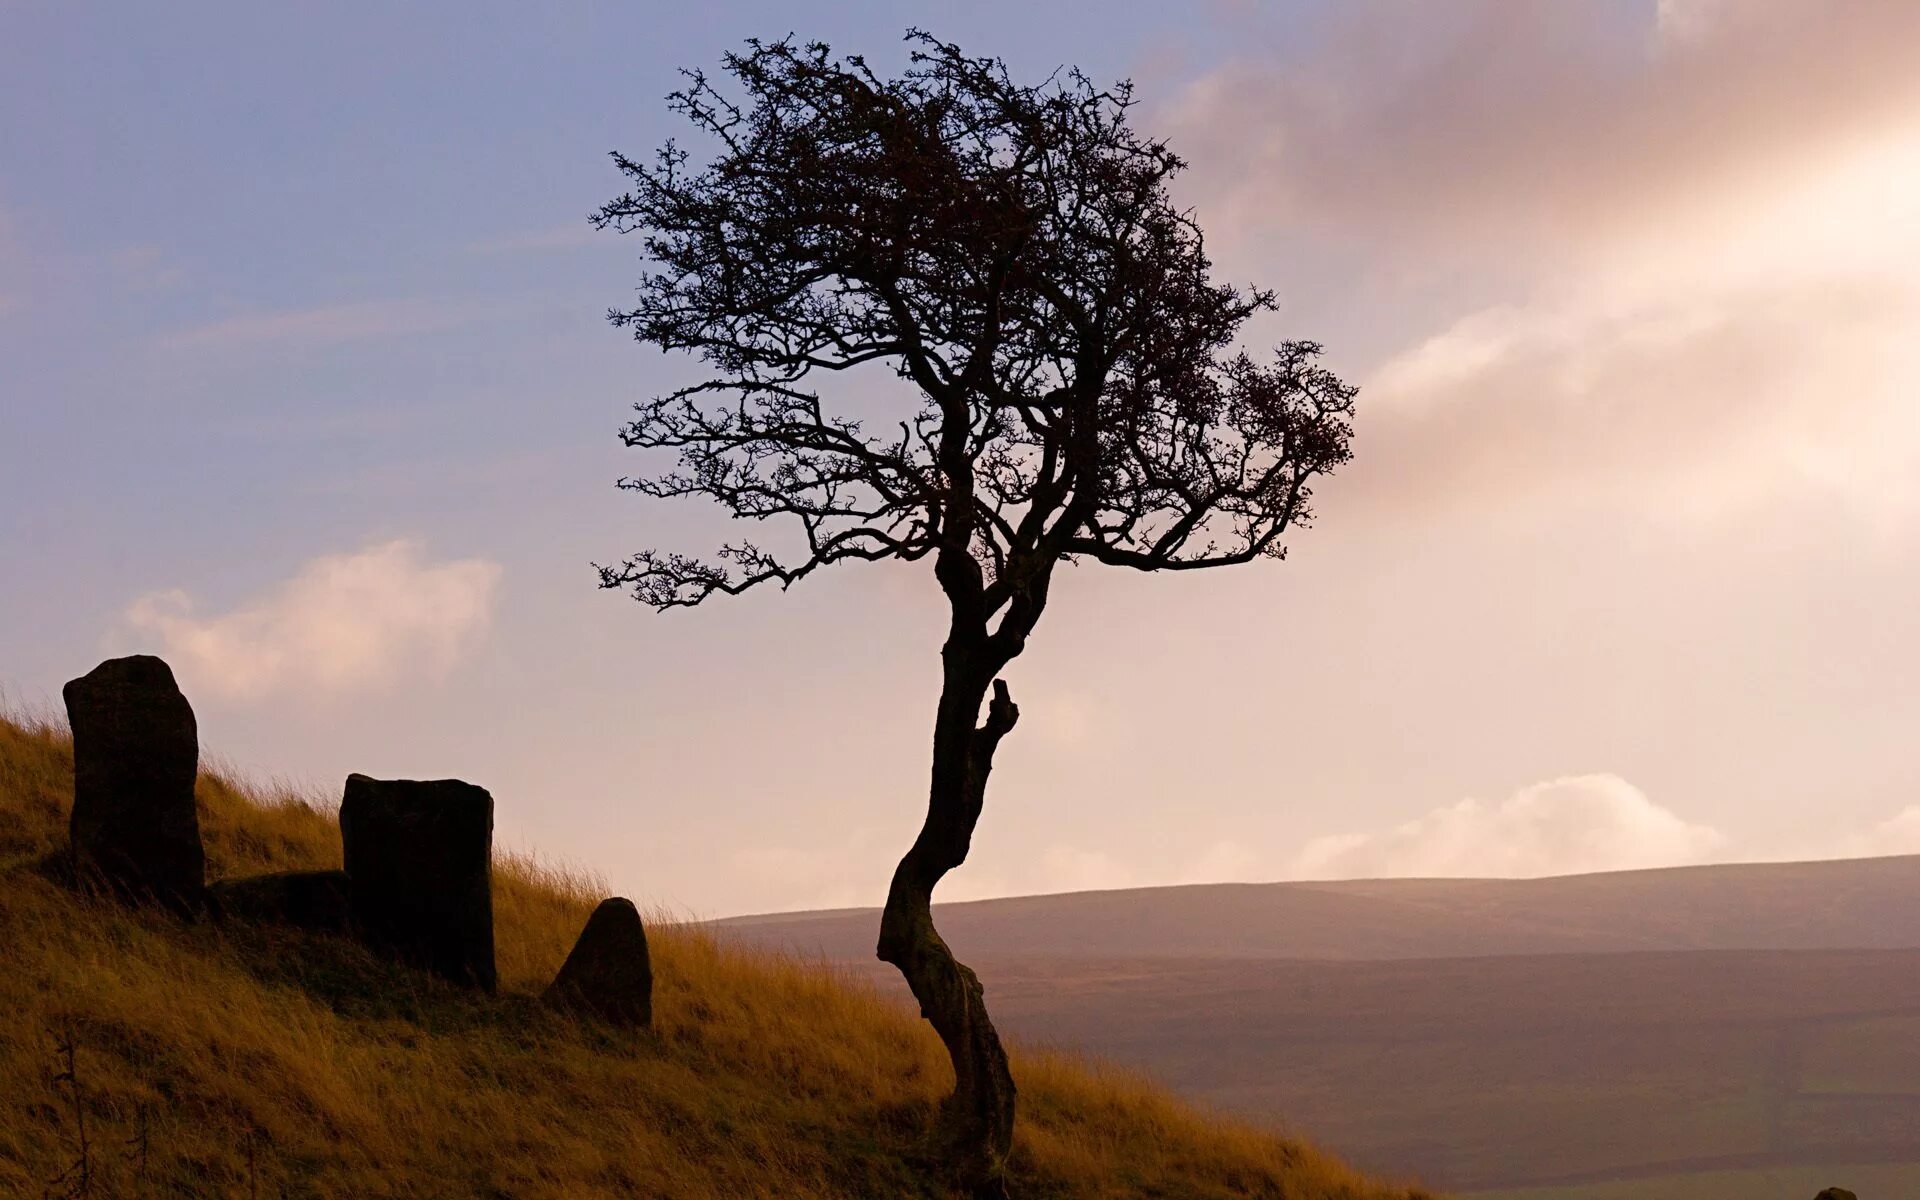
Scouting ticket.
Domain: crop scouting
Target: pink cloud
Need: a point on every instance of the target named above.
(343, 622)
(328, 324)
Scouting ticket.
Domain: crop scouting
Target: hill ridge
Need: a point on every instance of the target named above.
(1861, 903)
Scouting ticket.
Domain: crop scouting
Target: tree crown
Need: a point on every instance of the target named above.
(1013, 253)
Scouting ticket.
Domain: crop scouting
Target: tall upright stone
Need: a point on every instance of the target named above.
(608, 973)
(136, 752)
(418, 855)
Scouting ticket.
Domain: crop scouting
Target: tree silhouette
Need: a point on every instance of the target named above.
(1071, 392)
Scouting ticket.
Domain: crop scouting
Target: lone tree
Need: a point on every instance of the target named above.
(1071, 391)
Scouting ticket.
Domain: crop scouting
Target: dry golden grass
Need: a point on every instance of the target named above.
(267, 1063)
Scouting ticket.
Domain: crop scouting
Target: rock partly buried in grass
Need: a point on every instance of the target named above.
(136, 751)
(418, 855)
(1836, 1194)
(314, 900)
(608, 974)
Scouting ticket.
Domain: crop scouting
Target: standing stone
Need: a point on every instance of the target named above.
(608, 973)
(136, 752)
(1836, 1194)
(418, 854)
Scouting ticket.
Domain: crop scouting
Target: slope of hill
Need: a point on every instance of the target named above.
(214, 1060)
(1672, 1031)
(1871, 903)
(1562, 1070)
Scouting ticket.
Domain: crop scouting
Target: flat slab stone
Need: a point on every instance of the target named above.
(136, 753)
(314, 900)
(418, 863)
(608, 973)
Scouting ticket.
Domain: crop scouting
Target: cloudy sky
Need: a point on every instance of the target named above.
(305, 383)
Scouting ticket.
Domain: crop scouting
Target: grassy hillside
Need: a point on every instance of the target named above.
(248, 1061)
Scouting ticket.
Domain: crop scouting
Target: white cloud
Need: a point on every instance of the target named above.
(1695, 265)
(853, 871)
(1074, 869)
(787, 878)
(570, 236)
(1062, 718)
(1562, 826)
(1758, 347)
(1068, 868)
(145, 268)
(330, 324)
(1677, 23)
(13, 266)
(120, 272)
(1473, 127)
(1688, 402)
(343, 622)
(1898, 834)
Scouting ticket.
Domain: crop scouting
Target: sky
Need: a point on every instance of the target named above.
(306, 384)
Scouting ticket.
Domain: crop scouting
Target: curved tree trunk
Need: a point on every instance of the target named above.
(978, 1117)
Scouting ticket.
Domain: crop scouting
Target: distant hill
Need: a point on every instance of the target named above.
(238, 1060)
(1868, 903)
(1696, 1034)
(1483, 1073)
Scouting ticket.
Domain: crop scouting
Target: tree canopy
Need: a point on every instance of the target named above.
(1013, 253)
